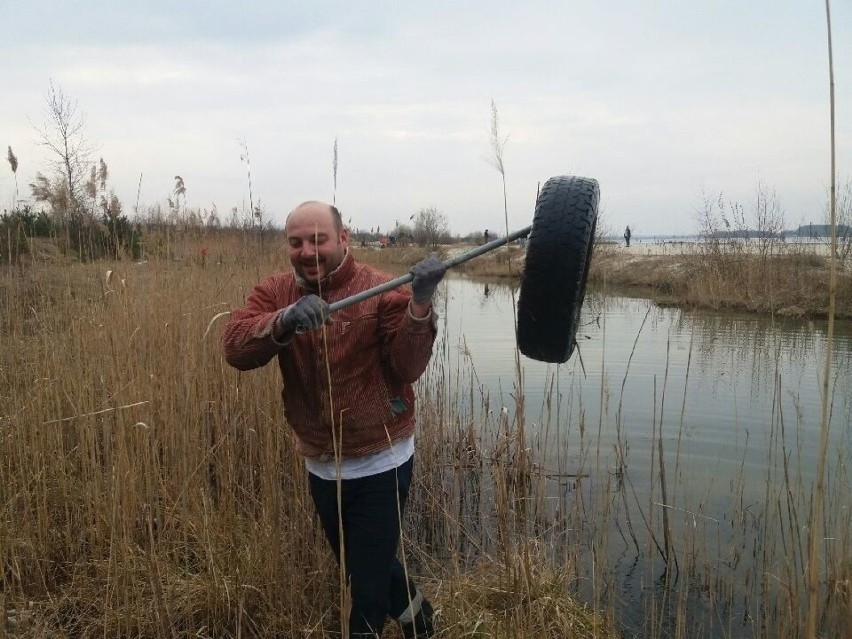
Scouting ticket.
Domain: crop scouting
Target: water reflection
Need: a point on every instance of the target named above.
(708, 380)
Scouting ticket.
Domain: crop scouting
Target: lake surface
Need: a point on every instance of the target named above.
(724, 375)
(735, 398)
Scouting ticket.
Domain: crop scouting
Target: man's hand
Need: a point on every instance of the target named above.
(306, 314)
(427, 274)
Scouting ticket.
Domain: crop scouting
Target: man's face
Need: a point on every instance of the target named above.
(316, 247)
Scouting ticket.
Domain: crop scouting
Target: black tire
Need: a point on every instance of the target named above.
(559, 251)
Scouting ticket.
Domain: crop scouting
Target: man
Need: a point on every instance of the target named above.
(347, 393)
(627, 235)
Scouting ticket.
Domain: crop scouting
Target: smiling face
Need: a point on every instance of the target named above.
(317, 240)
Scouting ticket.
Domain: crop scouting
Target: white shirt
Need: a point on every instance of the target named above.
(366, 465)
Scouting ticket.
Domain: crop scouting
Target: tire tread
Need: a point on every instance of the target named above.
(559, 249)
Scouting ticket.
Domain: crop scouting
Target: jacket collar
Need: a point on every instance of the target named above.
(337, 278)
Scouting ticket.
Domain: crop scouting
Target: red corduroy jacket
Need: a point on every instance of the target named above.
(358, 378)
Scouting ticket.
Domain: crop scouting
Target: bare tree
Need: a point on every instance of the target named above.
(769, 219)
(430, 226)
(404, 234)
(63, 134)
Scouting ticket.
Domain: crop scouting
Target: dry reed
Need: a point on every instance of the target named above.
(148, 490)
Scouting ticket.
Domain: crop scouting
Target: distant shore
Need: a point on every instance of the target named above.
(782, 278)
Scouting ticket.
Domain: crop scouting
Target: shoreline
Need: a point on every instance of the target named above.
(788, 279)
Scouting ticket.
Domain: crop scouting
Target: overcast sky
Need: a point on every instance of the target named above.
(658, 100)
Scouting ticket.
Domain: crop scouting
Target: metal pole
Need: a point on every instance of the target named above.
(405, 279)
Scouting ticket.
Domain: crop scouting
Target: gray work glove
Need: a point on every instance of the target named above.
(305, 314)
(427, 274)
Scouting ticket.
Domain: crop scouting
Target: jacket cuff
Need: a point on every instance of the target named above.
(268, 332)
(422, 324)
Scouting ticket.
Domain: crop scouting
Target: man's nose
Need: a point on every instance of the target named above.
(309, 249)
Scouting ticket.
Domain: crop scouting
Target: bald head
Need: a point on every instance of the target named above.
(316, 239)
(316, 210)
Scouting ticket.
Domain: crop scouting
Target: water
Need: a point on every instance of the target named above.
(731, 395)
(722, 373)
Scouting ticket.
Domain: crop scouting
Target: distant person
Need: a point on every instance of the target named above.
(627, 235)
(368, 395)
(487, 236)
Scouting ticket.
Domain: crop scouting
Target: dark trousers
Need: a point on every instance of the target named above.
(370, 508)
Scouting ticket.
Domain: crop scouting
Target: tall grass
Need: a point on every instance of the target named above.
(148, 490)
